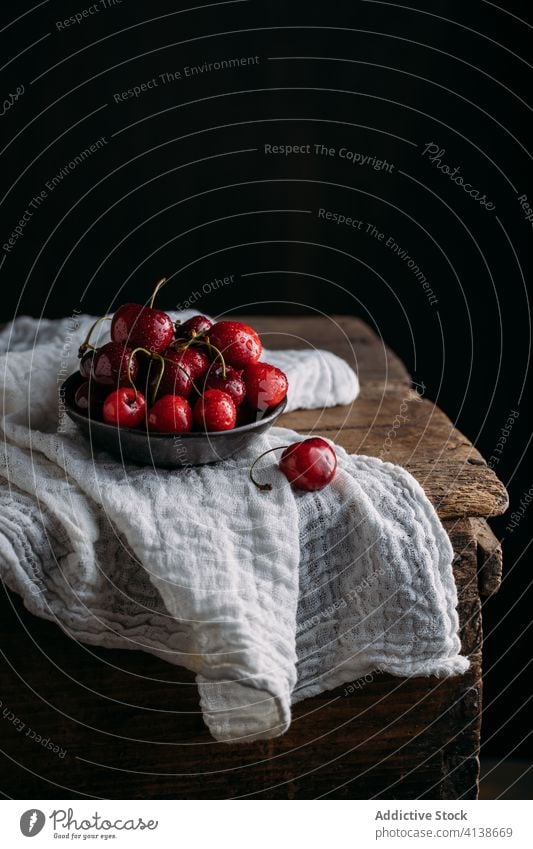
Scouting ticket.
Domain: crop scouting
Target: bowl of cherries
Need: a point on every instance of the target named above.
(173, 394)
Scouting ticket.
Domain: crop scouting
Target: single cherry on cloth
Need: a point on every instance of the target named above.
(125, 407)
(143, 326)
(193, 327)
(215, 410)
(232, 382)
(239, 343)
(114, 364)
(309, 465)
(266, 386)
(170, 414)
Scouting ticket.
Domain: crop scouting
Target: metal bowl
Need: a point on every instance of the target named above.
(165, 450)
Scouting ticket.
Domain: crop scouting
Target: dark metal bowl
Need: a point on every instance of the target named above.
(165, 450)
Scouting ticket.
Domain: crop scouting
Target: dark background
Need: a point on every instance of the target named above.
(171, 194)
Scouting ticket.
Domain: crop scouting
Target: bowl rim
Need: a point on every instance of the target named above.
(65, 388)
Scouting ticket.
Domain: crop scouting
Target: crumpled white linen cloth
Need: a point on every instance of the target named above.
(268, 597)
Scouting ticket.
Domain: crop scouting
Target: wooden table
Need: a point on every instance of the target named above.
(129, 726)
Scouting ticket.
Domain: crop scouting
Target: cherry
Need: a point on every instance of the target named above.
(89, 397)
(125, 407)
(193, 327)
(152, 329)
(266, 386)
(170, 414)
(143, 327)
(123, 321)
(215, 410)
(232, 382)
(85, 364)
(238, 342)
(177, 378)
(310, 464)
(195, 361)
(114, 364)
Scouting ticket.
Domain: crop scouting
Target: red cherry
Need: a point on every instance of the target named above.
(90, 396)
(195, 361)
(177, 378)
(266, 386)
(310, 464)
(170, 414)
(124, 407)
(239, 343)
(153, 330)
(193, 326)
(215, 410)
(142, 327)
(233, 383)
(123, 321)
(114, 364)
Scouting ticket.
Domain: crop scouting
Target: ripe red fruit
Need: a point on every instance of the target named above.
(124, 407)
(142, 327)
(122, 322)
(310, 464)
(170, 414)
(215, 410)
(266, 386)
(233, 383)
(90, 396)
(195, 361)
(238, 342)
(193, 326)
(114, 364)
(177, 378)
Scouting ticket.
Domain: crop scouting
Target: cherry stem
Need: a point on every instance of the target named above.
(158, 286)
(179, 345)
(184, 370)
(150, 354)
(218, 353)
(196, 339)
(264, 487)
(160, 378)
(86, 344)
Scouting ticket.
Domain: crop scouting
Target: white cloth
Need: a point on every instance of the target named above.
(267, 597)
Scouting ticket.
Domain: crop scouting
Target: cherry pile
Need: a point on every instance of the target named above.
(176, 377)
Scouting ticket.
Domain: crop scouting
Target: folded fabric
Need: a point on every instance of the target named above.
(267, 597)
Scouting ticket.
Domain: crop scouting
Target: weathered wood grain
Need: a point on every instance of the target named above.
(490, 557)
(400, 427)
(347, 337)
